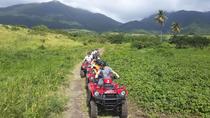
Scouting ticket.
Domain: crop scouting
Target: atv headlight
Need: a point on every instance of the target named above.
(123, 93)
(96, 93)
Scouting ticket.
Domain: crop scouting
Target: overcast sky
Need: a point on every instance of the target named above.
(126, 10)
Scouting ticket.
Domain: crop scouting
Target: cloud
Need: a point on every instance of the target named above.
(126, 10)
(5, 3)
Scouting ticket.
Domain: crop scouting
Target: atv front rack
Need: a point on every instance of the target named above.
(109, 101)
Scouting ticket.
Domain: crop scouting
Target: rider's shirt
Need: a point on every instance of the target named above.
(89, 58)
(106, 72)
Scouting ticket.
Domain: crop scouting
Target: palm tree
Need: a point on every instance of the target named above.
(161, 18)
(175, 28)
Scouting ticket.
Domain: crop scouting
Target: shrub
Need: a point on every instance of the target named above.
(40, 30)
(6, 26)
(137, 45)
(116, 38)
(144, 41)
(22, 26)
(101, 40)
(85, 43)
(190, 41)
(166, 45)
(15, 28)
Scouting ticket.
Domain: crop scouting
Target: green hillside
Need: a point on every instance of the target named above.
(56, 15)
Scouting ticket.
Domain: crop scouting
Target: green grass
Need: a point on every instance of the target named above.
(30, 77)
(164, 80)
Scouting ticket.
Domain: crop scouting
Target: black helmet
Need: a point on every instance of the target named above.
(103, 63)
(98, 61)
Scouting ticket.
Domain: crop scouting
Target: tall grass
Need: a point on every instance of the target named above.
(30, 76)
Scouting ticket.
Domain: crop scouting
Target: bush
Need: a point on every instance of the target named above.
(166, 45)
(144, 41)
(101, 40)
(6, 26)
(39, 30)
(137, 45)
(15, 28)
(22, 26)
(116, 38)
(190, 41)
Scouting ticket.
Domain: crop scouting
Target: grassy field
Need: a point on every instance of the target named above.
(160, 78)
(164, 80)
(30, 76)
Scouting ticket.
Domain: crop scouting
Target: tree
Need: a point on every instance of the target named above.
(161, 19)
(175, 28)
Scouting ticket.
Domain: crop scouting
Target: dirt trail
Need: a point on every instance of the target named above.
(76, 107)
(76, 90)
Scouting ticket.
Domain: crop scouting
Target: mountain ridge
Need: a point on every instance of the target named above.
(185, 18)
(56, 12)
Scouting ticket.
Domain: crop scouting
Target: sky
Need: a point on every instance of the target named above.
(126, 10)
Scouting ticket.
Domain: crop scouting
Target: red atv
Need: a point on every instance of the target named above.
(83, 70)
(108, 97)
(90, 76)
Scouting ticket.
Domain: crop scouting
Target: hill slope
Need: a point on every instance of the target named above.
(191, 21)
(55, 15)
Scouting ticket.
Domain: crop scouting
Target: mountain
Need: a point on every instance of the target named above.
(191, 21)
(57, 15)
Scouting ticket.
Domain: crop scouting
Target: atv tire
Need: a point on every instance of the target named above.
(93, 109)
(88, 98)
(82, 73)
(86, 83)
(124, 110)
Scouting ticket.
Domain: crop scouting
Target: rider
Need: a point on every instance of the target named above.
(88, 57)
(95, 65)
(105, 72)
(96, 54)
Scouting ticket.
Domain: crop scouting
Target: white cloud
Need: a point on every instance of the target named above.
(126, 10)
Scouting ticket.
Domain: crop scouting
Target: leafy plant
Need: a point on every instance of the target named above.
(164, 80)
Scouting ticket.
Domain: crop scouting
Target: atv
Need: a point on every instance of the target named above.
(83, 70)
(108, 97)
(90, 76)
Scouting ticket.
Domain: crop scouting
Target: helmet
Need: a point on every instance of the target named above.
(98, 61)
(103, 63)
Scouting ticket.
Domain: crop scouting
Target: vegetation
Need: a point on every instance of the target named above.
(30, 77)
(160, 78)
(164, 80)
(190, 41)
(175, 28)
